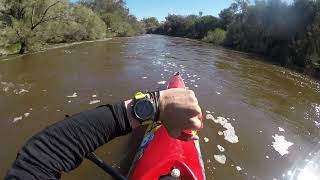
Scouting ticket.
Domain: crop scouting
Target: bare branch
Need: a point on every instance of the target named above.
(32, 16)
(44, 15)
(18, 34)
(52, 18)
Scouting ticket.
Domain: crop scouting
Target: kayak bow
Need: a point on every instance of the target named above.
(161, 156)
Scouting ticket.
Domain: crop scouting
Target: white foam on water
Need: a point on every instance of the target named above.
(267, 157)
(220, 133)
(198, 78)
(281, 145)
(317, 109)
(6, 89)
(21, 91)
(26, 114)
(281, 129)
(94, 101)
(229, 133)
(208, 112)
(195, 75)
(144, 77)
(73, 95)
(221, 158)
(162, 82)
(5, 86)
(218, 92)
(69, 101)
(16, 119)
(192, 80)
(317, 124)
(94, 95)
(206, 139)
(238, 168)
(220, 148)
(195, 85)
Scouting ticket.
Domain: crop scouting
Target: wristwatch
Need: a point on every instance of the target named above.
(144, 109)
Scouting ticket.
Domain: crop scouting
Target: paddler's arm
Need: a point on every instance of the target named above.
(63, 146)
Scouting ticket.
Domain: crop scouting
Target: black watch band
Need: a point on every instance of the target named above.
(155, 97)
(146, 107)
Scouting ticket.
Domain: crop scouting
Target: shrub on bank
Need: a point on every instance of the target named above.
(216, 37)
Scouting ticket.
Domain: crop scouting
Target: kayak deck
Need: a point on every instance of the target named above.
(159, 153)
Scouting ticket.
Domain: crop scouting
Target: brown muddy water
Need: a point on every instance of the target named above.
(269, 125)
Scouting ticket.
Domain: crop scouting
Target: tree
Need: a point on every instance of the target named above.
(228, 16)
(191, 26)
(116, 16)
(204, 24)
(150, 24)
(25, 17)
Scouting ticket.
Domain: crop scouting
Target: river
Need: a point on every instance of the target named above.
(274, 112)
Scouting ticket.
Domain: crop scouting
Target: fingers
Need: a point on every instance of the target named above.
(195, 124)
(175, 133)
(188, 137)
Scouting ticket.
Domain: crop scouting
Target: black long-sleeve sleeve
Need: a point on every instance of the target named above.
(62, 146)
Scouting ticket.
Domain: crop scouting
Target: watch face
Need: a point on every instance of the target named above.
(143, 109)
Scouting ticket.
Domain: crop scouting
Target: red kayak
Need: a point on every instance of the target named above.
(163, 157)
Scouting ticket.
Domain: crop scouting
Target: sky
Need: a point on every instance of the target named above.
(161, 8)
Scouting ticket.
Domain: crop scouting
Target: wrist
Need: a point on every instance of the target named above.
(154, 97)
(134, 123)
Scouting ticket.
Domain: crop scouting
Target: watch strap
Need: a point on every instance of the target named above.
(155, 96)
(139, 96)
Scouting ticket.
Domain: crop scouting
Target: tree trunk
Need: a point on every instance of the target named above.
(23, 47)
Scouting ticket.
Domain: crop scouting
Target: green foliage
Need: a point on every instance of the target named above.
(28, 17)
(228, 16)
(116, 16)
(289, 33)
(203, 24)
(34, 23)
(216, 36)
(150, 24)
(191, 26)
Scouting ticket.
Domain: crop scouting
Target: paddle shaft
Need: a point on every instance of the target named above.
(99, 162)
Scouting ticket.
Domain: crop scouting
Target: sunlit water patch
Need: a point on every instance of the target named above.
(229, 133)
(281, 145)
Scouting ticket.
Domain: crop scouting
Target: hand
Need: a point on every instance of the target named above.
(179, 110)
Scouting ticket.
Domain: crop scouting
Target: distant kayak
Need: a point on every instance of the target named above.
(163, 157)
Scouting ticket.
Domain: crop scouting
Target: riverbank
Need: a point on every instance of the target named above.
(311, 70)
(49, 47)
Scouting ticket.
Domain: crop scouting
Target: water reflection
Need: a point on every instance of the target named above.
(310, 171)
